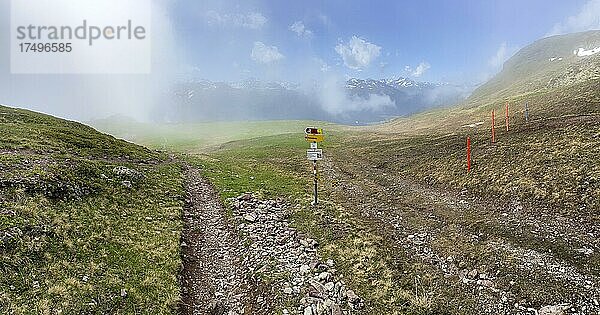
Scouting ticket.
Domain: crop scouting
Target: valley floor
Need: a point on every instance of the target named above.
(411, 233)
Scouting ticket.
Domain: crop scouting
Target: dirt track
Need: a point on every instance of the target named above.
(213, 279)
(484, 256)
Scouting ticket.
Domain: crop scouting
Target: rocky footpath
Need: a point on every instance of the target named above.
(212, 279)
(301, 283)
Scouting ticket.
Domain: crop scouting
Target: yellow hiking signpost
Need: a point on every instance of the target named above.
(315, 138)
(314, 154)
(313, 131)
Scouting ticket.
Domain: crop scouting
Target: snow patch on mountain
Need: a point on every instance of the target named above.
(582, 52)
(396, 83)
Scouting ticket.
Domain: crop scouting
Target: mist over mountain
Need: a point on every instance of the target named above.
(353, 101)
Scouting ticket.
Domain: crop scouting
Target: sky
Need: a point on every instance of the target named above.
(461, 42)
(458, 42)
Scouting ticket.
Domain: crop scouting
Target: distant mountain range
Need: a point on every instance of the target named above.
(549, 63)
(356, 100)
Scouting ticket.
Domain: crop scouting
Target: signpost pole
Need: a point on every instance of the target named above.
(506, 114)
(314, 136)
(316, 201)
(493, 126)
(468, 154)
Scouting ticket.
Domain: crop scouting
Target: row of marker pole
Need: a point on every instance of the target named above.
(507, 122)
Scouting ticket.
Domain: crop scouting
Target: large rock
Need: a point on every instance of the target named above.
(251, 217)
(127, 173)
(554, 309)
(352, 297)
(336, 310)
(304, 269)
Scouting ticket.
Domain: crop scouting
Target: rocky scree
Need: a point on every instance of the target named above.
(301, 282)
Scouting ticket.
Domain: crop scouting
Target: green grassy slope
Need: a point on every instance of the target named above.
(553, 158)
(580, 99)
(555, 162)
(538, 67)
(552, 88)
(276, 167)
(74, 234)
(88, 223)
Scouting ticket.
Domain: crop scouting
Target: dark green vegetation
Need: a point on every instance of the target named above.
(88, 223)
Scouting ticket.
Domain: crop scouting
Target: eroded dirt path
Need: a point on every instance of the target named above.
(489, 257)
(213, 278)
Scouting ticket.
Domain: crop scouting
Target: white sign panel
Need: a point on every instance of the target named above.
(314, 154)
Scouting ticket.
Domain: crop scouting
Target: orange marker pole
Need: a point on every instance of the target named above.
(468, 154)
(506, 111)
(493, 126)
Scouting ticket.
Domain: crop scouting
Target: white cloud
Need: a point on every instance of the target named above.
(325, 20)
(251, 20)
(587, 19)
(358, 53)
(301, 30)
(374, 102)
(324, 66)
(383, 66)
(335, 100)
(503, 53)
(134, 98)
(419, 70)
(262, 53)
(499, 58)
(447, 94)
(496, 61)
